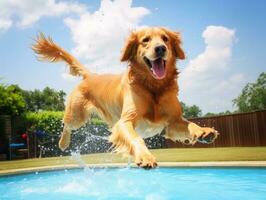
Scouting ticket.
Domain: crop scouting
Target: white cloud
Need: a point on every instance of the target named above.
(5, 24)
(99, 36)
(204, 80)
(68, 77)
(27, 12)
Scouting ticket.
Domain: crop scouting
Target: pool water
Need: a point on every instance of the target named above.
(130, 183)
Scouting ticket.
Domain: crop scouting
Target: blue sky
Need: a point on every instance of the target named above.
(238, 26)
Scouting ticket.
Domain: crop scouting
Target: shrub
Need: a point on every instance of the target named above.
(48, 125)
(51, 121)
(11, 100)
(48, 121)
(90, 138)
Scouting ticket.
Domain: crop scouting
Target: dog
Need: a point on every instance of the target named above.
(137, 104)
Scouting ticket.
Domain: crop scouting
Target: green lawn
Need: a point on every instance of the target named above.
(162, 155)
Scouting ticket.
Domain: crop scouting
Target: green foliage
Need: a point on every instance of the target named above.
(48, 125)
(209, 114)
(14, 100)
(48, 99)
(11, 100)
(253, 96)
(50, 121)
(47, 121)
(97, 121)
(191, 111)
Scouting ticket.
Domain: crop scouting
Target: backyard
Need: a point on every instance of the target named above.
(180, 86)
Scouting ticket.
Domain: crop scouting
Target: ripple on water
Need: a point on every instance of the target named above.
(130, 183)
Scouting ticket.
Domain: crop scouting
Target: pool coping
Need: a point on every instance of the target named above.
(122, 165)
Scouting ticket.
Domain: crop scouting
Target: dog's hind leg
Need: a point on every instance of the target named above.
(77, 113)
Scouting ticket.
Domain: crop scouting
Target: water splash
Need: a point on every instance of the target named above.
(129, 162)
(95, 138)
(75, 156)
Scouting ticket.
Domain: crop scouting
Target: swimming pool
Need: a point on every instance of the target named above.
(131, 183)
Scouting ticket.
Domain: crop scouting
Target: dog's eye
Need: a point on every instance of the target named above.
(165, 39)
(146, 39)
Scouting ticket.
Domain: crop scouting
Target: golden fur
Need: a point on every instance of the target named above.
(136, 104)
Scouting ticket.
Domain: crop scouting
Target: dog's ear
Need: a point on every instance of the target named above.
(130, 48)
(176, 43)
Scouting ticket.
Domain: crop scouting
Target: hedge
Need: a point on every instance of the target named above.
(47, 121)
(90, 138)
(48, 125)
(50, 122)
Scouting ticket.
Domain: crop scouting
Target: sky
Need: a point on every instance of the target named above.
(224, 41)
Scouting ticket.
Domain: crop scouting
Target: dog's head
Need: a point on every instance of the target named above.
(155, 50)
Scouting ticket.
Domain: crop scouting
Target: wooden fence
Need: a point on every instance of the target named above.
(5, 134)
(236, 130)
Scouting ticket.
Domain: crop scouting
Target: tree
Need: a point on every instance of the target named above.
(253, 96)
(14, 100)
(11, 100)
(191, 111)
(210, 114)
(48, 99)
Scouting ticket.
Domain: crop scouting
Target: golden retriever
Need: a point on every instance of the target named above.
(137, 104)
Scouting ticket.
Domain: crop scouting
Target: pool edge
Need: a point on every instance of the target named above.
(119, 165)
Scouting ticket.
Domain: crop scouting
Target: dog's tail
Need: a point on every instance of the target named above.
(49, 51)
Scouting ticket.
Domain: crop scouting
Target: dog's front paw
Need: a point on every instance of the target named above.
(204, 135)
(146, 160)
(208, 136)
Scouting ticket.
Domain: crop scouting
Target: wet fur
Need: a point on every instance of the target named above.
(134, 104)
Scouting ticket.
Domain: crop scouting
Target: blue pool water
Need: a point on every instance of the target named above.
(125, 183)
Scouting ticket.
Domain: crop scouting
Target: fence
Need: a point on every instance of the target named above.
(91, 138)
(5, 133)
(236, 130)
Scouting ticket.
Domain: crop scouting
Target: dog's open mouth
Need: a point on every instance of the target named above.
(157, 67)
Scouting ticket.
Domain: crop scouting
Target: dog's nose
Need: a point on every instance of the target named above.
(160, 50)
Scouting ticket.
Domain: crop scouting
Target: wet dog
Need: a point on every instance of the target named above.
(137, 104)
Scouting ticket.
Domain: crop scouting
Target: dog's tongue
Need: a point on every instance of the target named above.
(158, 68)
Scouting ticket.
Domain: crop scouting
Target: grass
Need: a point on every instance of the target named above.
(162, 155)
